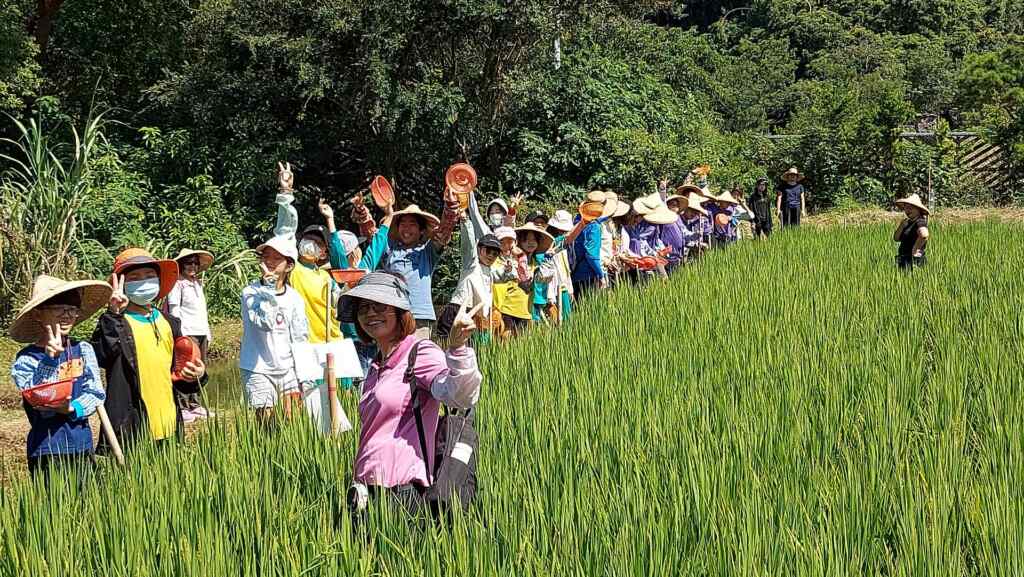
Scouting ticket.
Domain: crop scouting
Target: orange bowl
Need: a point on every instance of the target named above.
(591, 210)
(349, 276)
(461, 178)
(49, 394)
(382, 191)
(185, 351)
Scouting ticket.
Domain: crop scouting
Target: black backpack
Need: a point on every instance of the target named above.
(453, 475)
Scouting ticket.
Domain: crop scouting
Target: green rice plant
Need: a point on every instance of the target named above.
(788, 407)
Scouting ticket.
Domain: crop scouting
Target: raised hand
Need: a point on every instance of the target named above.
(515, 201)
(464, 325)
(269, 276)
(118, 301)
(325, 209)
(54, 341)
(285, 177)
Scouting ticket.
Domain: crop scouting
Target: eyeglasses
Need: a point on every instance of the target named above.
(365, 307)
(69, 311)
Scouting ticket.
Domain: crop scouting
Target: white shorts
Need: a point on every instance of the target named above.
(263, 391)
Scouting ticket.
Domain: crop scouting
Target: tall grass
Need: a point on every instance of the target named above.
(42, 184)
(794, 407)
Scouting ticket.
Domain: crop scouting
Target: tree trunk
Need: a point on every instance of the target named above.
(41, 24)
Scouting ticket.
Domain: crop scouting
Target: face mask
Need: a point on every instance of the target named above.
(496, 219)
(308, 248)
(142, 292)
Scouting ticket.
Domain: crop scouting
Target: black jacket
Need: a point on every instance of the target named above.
(115, 353)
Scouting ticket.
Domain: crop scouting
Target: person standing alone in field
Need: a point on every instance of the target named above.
(912, 233)
(187, 303)
(790, 198)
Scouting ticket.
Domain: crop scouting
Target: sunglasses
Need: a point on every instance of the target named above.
(365, 307)
(491, 251)
(69, 311)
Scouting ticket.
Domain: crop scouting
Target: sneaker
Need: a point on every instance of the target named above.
(202, 412)
(188, 416)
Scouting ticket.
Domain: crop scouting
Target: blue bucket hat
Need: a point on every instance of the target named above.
(379, 287)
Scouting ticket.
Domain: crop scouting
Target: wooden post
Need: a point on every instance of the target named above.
(108, 432)
(332, 393)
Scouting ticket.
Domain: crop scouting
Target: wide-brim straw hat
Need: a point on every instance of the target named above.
(611, 204)
(544, 240)
(379, 287)
(914, 200)
(647, 204)
(134, 257)
(795, 172)
(688, 189)
(413, 210)
(661, 215)
(622, 209)
(694, 202)
(94, 294)
(561, 220)
(727, 197)
(205, 258)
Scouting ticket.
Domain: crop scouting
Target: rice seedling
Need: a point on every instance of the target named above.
(791, 407)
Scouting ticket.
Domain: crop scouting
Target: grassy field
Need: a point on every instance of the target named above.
(789, 407)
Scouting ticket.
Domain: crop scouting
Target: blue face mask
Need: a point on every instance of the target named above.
(142, 292)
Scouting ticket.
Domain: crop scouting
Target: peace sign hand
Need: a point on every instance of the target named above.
(118, 301)
(515, 201)
(54, 341)
(285, 177)
(464, 325)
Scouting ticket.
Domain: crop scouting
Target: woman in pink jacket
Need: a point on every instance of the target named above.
(389, 462)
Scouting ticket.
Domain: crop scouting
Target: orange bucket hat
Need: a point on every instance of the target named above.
(133, 257)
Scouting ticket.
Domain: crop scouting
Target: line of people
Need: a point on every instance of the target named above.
(514, 273)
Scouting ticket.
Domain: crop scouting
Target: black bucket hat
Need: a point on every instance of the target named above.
(318, 230)
(489, 241)
(379, 287)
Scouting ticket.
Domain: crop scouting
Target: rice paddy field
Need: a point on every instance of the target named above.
(791, 407)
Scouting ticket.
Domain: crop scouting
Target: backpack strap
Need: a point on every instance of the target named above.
(410, 379)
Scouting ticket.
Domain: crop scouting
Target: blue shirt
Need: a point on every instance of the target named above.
(416, 265)
(588, 254)
(54, 433)
(790, 194)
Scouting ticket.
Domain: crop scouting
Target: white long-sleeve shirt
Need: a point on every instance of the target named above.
(271, 324)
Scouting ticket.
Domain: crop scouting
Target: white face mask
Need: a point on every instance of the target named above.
(497, 219)
(308, 248)
(142, 292)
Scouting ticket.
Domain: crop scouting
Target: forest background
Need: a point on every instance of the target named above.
(159, 123)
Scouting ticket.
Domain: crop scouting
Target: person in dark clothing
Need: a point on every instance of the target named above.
(790, 200)
(761, 206)
(912, 233)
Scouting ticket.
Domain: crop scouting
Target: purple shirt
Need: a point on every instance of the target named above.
(728, 232)
(675, 235)
(389, 451)
(700, 226)
(643, 238)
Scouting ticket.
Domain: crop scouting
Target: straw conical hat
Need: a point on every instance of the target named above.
(94, 295)
(694, 201)
(726, 197)
(205, 258)
(544, 240)
(413, 210)
(915, 201)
